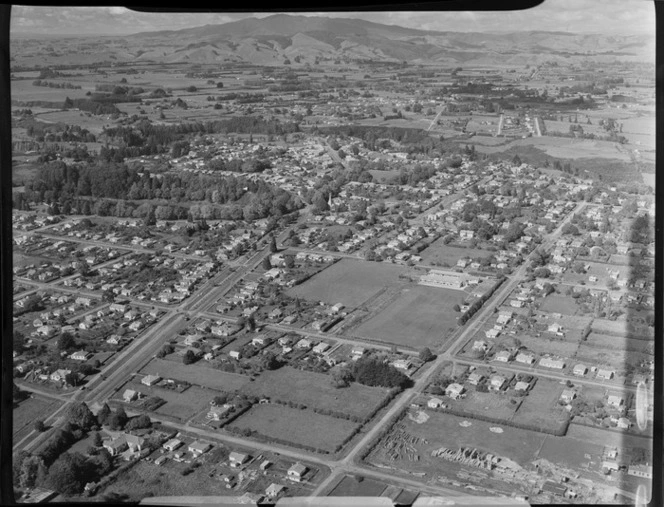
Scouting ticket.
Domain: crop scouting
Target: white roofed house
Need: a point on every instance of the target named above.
(454, 391)
(321, 347)
(604, 374)
(297, 472)
(237, 459)
(525, 358)
(568, 395)
(504, 356)
(475, 378)
(549, 362)
(197, 448)
(496, 382)
(580, 370)
(129, 395)
(615, 401)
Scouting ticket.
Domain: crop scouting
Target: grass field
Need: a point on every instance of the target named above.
(29, 411)
(315, 390)
(603, 341)
(447, 256)
(93, 123)
(294, 425)
(540, 406)
(420, 316)
(196, 374)
(351, 486)
(556, 303)
(349, 282)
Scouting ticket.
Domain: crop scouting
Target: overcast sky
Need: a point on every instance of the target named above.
(616, 17)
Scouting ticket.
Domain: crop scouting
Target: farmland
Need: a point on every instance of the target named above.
(315, 390)
(349, 282)
(303, 427)
(195, 374)
(420, 316)
(498, 405)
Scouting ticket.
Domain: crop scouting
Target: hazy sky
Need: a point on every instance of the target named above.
(619, 17)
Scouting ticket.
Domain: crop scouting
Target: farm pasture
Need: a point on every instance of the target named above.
(540, 407)
(420, 316)
(294, 425)
(315, 390)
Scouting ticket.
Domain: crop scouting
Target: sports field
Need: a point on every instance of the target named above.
(294, 425)
(349, 282)
(421, 316)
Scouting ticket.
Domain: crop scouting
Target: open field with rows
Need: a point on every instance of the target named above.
(29, 411)
(540, 407)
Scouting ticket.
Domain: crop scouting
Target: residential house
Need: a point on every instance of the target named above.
(296, 472)
(525, 358)
(217, 413)
(454, 391)
(475, 378)
(522, 386)
(197, 448)
(321, 347)
(172, 444)
(238, 459)
(435, 403)
(235, 354)
(273, 490)
(568, 395)
(496, 382)
(150, 380)
(80, 355)
(129, 395)
(580, 370)
(604, 374)
(549, 362)
(304, 343)
(615, 401)
(492, 333)
(504, 356)
(357, 352)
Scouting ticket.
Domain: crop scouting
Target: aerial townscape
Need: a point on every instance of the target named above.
(293, 256)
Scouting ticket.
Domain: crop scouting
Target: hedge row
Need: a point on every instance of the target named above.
(381, 434)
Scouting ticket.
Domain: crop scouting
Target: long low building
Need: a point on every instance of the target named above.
(444, 279)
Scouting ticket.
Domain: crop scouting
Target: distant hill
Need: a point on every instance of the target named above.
(304, 39)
